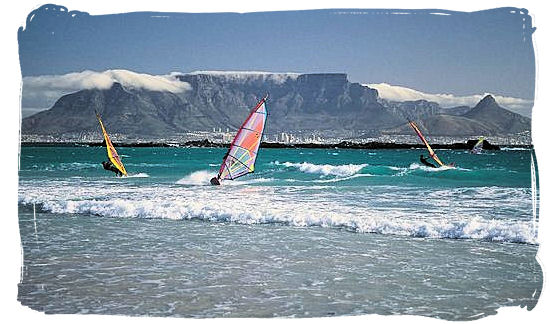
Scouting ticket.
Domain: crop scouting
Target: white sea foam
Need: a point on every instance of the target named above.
(415, 166)
(197, 178)
(138, 175)
(515, 149)
(243, 181)
(67, 166)
(338, 179)
(388, 210)
(395, 168)
(324, 169)
(472, 228)
(202, 178)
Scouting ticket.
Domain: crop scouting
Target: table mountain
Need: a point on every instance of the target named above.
(297, 102)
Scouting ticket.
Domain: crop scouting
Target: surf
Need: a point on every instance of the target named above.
(344, 170)
(438, 228)
(294, 206)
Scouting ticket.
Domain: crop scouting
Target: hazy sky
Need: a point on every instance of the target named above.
(448, 52)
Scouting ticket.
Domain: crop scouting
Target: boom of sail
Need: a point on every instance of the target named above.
(241, 156)
(111, 152)
(428, 147)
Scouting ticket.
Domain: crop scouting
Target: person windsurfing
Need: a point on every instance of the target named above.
(215, 181)
(240, 158)
(114, 162)
(424, 161)
(430, 150)
(107, 165)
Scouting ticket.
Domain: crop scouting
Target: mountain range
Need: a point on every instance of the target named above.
(297, 102)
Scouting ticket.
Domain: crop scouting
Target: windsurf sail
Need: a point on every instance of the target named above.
(478, 147)
(241, 156)
(111, 152)
(428, 147)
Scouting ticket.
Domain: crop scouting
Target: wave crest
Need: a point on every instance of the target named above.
(470, 228)
(344, 170)
(197, 178)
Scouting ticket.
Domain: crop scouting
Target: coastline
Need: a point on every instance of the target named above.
(342, 145)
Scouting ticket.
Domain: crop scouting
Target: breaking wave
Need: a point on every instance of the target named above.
(197, 178)
(138, 175)
(470, 228)
(202, 178)
(292, 207)
(345, 170)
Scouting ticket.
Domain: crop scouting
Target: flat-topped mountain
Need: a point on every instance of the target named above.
(297, 102)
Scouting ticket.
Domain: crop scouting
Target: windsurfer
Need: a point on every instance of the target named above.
(243, 150)
(107, 165)
(424, 161)
(215, 181)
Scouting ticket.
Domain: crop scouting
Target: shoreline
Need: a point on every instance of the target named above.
(342, 145)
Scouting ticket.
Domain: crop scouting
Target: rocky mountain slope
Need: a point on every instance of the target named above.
(297, 102)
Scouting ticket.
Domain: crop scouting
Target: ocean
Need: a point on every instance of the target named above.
(313, 232)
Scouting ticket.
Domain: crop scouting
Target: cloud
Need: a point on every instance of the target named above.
(245, 76)
(398, 93)
(41, 92)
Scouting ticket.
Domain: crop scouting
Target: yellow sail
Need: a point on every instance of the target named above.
(111, 152)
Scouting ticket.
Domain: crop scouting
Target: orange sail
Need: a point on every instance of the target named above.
(242, 153)
(428, 147)
(111, 152)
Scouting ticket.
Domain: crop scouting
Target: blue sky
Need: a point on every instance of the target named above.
(448, 52)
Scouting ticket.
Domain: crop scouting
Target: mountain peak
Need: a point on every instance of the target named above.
(488, 99)
(501, 120)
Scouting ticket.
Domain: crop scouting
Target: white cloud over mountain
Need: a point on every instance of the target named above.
(243, 76)
(398, 93)
(41, 92)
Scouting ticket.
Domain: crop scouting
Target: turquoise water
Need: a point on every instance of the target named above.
(312, 232)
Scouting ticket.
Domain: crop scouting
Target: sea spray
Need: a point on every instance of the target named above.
(267, 205)
(324, 169)
(197, 178)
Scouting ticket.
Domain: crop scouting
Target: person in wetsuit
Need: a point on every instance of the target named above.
(424, 161)
(215, 181)
(107, 165)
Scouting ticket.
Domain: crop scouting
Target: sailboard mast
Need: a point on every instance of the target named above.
(241, 155)
(111, 152)
(428, 147)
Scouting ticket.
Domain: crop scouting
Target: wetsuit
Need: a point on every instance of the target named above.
(215, 181)
(107, 165)
(424, 161)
